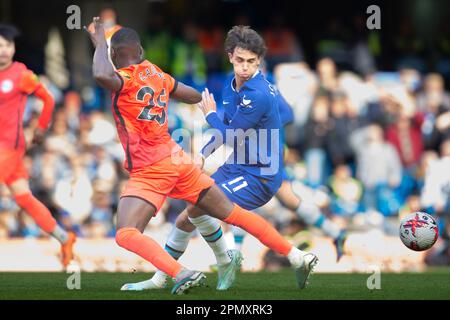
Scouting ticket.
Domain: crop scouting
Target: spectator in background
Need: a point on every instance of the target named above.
(412, 204)
(46, 170)
(436, 190)
(327, 73)
(429, 156)
(338, 142)
(379, 169)
(73, 195)
(61, 140)
(333, 44)
(211, 39)
(281, 41)
(433, 93)
(316, 133)
(108, 17)
(8, 209)
(104, 169)
(100, 222)
(406, 137)
(157, 41)
(94, 98)
(102, 130)
(72, 110)
(410, 79)
(435, 196)
(436, 126)
(189, 63)
(346, 192)
(365, 47)
(298, 85)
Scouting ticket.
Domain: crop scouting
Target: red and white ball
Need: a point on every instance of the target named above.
(418, 231)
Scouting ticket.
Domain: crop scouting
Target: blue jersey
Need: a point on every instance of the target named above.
(286, 113)
(253, 109)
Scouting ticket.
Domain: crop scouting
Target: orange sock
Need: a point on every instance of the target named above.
(37, 211)
(133, 240)
(259, 228)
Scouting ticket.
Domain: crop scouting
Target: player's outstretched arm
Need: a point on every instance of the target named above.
(29, 84)
(102, 68)
(186, 94)
(46, 113)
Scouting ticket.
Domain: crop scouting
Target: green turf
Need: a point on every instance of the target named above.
(434, 284)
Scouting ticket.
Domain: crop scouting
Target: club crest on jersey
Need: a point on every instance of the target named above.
(246, 103)
(6, 86)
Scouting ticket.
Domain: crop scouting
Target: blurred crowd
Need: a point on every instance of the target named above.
(368, 146)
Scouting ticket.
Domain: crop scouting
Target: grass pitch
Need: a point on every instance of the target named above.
(433, 284)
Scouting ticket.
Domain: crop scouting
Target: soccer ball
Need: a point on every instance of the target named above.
(418, 231)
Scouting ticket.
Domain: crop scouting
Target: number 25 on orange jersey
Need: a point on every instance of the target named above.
(145, 114)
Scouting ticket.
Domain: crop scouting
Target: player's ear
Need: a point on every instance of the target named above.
(230, 57)
(142, 52)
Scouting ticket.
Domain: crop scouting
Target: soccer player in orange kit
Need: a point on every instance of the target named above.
(16, 83)
(158, 167)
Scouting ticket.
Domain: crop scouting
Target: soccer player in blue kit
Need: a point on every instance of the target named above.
(306, 210)
(252, 174)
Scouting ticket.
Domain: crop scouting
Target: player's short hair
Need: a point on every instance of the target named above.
(125, 36)
(8, 32)
(246, 38)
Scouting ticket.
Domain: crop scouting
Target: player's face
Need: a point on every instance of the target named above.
(245, 63)
(7, 50)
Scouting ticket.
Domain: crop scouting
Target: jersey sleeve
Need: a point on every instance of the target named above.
(171, 82)
(29, 82)
(127, 80)
(286, 113)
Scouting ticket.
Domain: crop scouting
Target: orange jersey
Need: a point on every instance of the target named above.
(16, 83)
(140, 113)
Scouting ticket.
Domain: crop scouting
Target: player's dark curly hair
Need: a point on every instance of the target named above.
(8, 32)
(246, 38)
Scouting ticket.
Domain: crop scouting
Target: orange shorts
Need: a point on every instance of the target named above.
(175, 176)
(11, 166)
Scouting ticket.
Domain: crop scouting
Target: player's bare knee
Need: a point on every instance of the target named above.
(183, 222)
(216, 203)
(130, 223)
(194, 212)
(134, 213)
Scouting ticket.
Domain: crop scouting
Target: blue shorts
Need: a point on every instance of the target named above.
(246, 190)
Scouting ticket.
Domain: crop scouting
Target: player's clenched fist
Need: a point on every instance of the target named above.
(96, 31)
